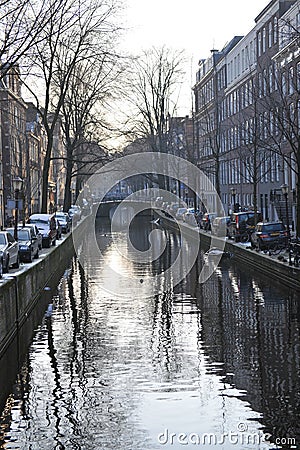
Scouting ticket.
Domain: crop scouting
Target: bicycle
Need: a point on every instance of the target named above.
(294, 252)
(276, 247)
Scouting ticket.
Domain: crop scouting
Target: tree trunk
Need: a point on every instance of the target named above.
(298, 203)
(45, 176)
(67, 196)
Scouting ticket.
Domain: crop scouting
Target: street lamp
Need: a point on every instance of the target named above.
(17, 183)
(233, 196)
(285, 191)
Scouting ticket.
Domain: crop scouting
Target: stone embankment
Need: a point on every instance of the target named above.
(21, 289)
(276, 270)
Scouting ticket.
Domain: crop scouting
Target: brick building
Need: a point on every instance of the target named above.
(242, 96)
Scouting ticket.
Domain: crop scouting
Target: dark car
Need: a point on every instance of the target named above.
(36, 233)
(242, 225)
(64, 220)
(28, 244)
(219, 226)
(268, 235)
(47, 226)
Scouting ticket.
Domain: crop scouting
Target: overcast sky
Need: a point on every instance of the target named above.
(196, 26)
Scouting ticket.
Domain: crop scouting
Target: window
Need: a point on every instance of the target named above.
(275, 30)
(292, 118)
(270, 79)
(259, 84)
(298, 21)
(265, 134)
(263, 40)
(270, 34)
(291, 80)
(283, 84)
(264, 83)
(251, 56)
(271, 122)
(258, 43)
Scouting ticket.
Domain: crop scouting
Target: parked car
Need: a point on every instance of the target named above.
(180, 213)
(10, 250)
(158, 201)
(190, 217)
(1, 264)
(219, 225)
(164, 206)
(36, 233)
(206, 220)
(75, 213)
(242, 225)
(47, 226)
(28, 244)
(86, 207)
(58, 228)
(269, 234)
(172, 209)
(64, 220)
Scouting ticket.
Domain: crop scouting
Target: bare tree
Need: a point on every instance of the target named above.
(21, 26)
(154, 83)
(79, 30)
(91, 88)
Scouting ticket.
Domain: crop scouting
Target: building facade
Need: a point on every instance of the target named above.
(240, 103)
(23, 142)
(13, 138)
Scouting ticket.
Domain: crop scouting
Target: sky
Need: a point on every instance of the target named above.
(196, 26)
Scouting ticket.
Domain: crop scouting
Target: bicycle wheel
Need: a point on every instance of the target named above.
(277, 248)
(244, 237)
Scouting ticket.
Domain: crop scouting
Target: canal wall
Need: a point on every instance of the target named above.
(279, 271)
(20, 291)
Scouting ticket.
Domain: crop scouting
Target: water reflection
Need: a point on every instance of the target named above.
(111, 372)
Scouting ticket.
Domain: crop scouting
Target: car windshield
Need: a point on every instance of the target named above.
(272, 227)
(40, 223)
(2, 239)
(23, 235)
(244, 217)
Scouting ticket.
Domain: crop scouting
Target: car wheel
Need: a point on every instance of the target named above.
(6, 267)
(17, 263)
(244, 238)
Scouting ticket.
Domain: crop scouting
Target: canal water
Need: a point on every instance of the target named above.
(213, 365)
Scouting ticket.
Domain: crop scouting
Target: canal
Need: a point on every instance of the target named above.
(116, 368)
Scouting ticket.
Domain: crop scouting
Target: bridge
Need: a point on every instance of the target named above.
(126, 209)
